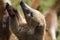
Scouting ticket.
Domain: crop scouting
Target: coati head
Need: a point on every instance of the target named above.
(32, 15)
(34, 18)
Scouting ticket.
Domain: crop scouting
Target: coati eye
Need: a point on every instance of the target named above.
(30, 14)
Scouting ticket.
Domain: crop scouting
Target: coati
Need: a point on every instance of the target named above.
(27, 31)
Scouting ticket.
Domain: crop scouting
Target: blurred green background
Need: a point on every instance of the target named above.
(44, 5)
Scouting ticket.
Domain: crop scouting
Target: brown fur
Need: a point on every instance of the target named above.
(22, 31)
(48, 15)
(5, 33)
(47, 36)
(4, 23)
(34, 21)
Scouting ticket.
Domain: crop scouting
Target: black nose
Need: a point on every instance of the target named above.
(23, 6)
(7, 5)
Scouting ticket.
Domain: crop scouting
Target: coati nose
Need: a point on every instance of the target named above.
(11, 10)
(7, 5)
(26, 9)
(23, 6)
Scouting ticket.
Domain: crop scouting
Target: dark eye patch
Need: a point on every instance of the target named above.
(31, 13)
